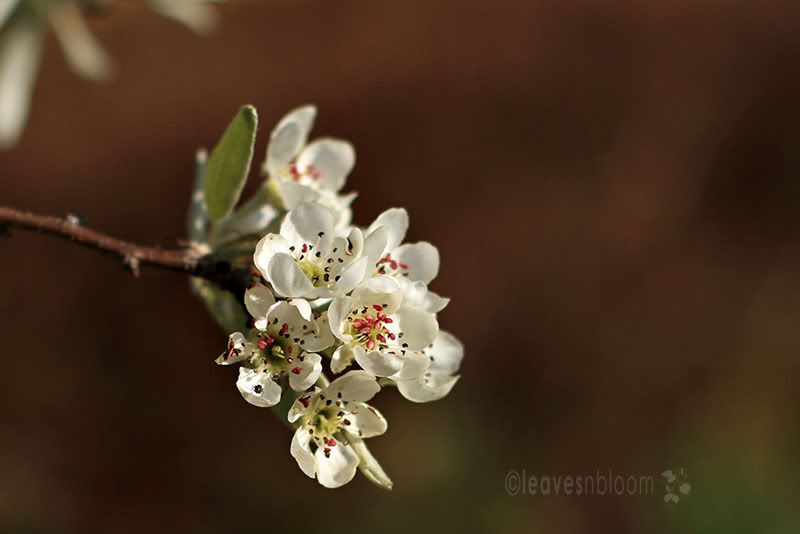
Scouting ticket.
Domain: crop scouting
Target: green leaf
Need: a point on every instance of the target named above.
(197, 218)
(229, 164)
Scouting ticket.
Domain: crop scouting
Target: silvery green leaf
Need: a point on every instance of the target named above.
(197, 220)
(20, 50)
(229, 164)
(223, 306)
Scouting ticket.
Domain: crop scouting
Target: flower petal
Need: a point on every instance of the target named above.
(287, 279)
(378, 290)
(342, 357)
(419, 327)
(379, 363)
(375, 245)
(302, 405)
(308, 372)
(427, 388)
(446, 353)
(351, 277)
(238, 349)
(337, 314)
(267, 247)
(396, 222)
(414, 365)
(288, 138)
(302, 452)
(421, 259)
(359, 386)
(309, 223)
(258, 300)
(338, 467)
(258, 388)
(417, 295)
(365, 421)
(328, 161)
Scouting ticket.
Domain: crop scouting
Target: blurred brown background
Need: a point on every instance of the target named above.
(615, 190)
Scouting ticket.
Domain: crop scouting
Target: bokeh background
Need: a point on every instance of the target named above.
(614, 187)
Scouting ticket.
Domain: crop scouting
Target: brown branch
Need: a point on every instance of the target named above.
(133, 256)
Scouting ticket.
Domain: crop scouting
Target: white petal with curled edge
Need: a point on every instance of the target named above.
(320, 338)
(238, 349)
(351, 277)
(337, 314)
(302, 452)
(302, 405)
(414, 364)
(422, 260)
(378, 290)
(338, 467)
(375, 245)
(379, 363)
(267, 247)
(365, 421)
(417, 295)
(309, 223)
(342, 357)
(303, 307)
(328, 161)
(293, 194)
(258, 388)
(288, 138)
(258, 300)
(359, 386)
(427, 388)
(419, 327)
(287, 279)
(308, 372)
(447, 353)
(396, 222)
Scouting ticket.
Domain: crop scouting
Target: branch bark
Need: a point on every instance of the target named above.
(133, 256)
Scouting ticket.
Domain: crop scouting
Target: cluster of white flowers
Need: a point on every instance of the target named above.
(330, 290)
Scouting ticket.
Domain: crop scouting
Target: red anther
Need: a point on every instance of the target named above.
(404, 266)
(326, 450)
(262, 344)
(377, 307)
(392, 336)
(358, 323)
(388, 320)
(365, 330)
(289, 349)
(394, 265)
(305, 248)
(381, 338)
(284, 328)
(331, 442)
(296, 371)
(305, 401)
(371, 344)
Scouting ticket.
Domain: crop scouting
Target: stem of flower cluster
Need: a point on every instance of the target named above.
(133, 256)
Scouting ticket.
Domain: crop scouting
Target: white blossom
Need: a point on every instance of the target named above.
(324, 416)
(380, 331)
(284, 342)
(307, 260)
(412, 265)
(309, 172)
(445, 355)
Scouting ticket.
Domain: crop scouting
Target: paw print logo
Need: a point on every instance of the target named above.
(676, 485)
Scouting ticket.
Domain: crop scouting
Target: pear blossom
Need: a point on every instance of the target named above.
(307, 260)
(380, 331)
(412, 265)
(309, 172)
(326, 415)
(284, 342)
(445, 355)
